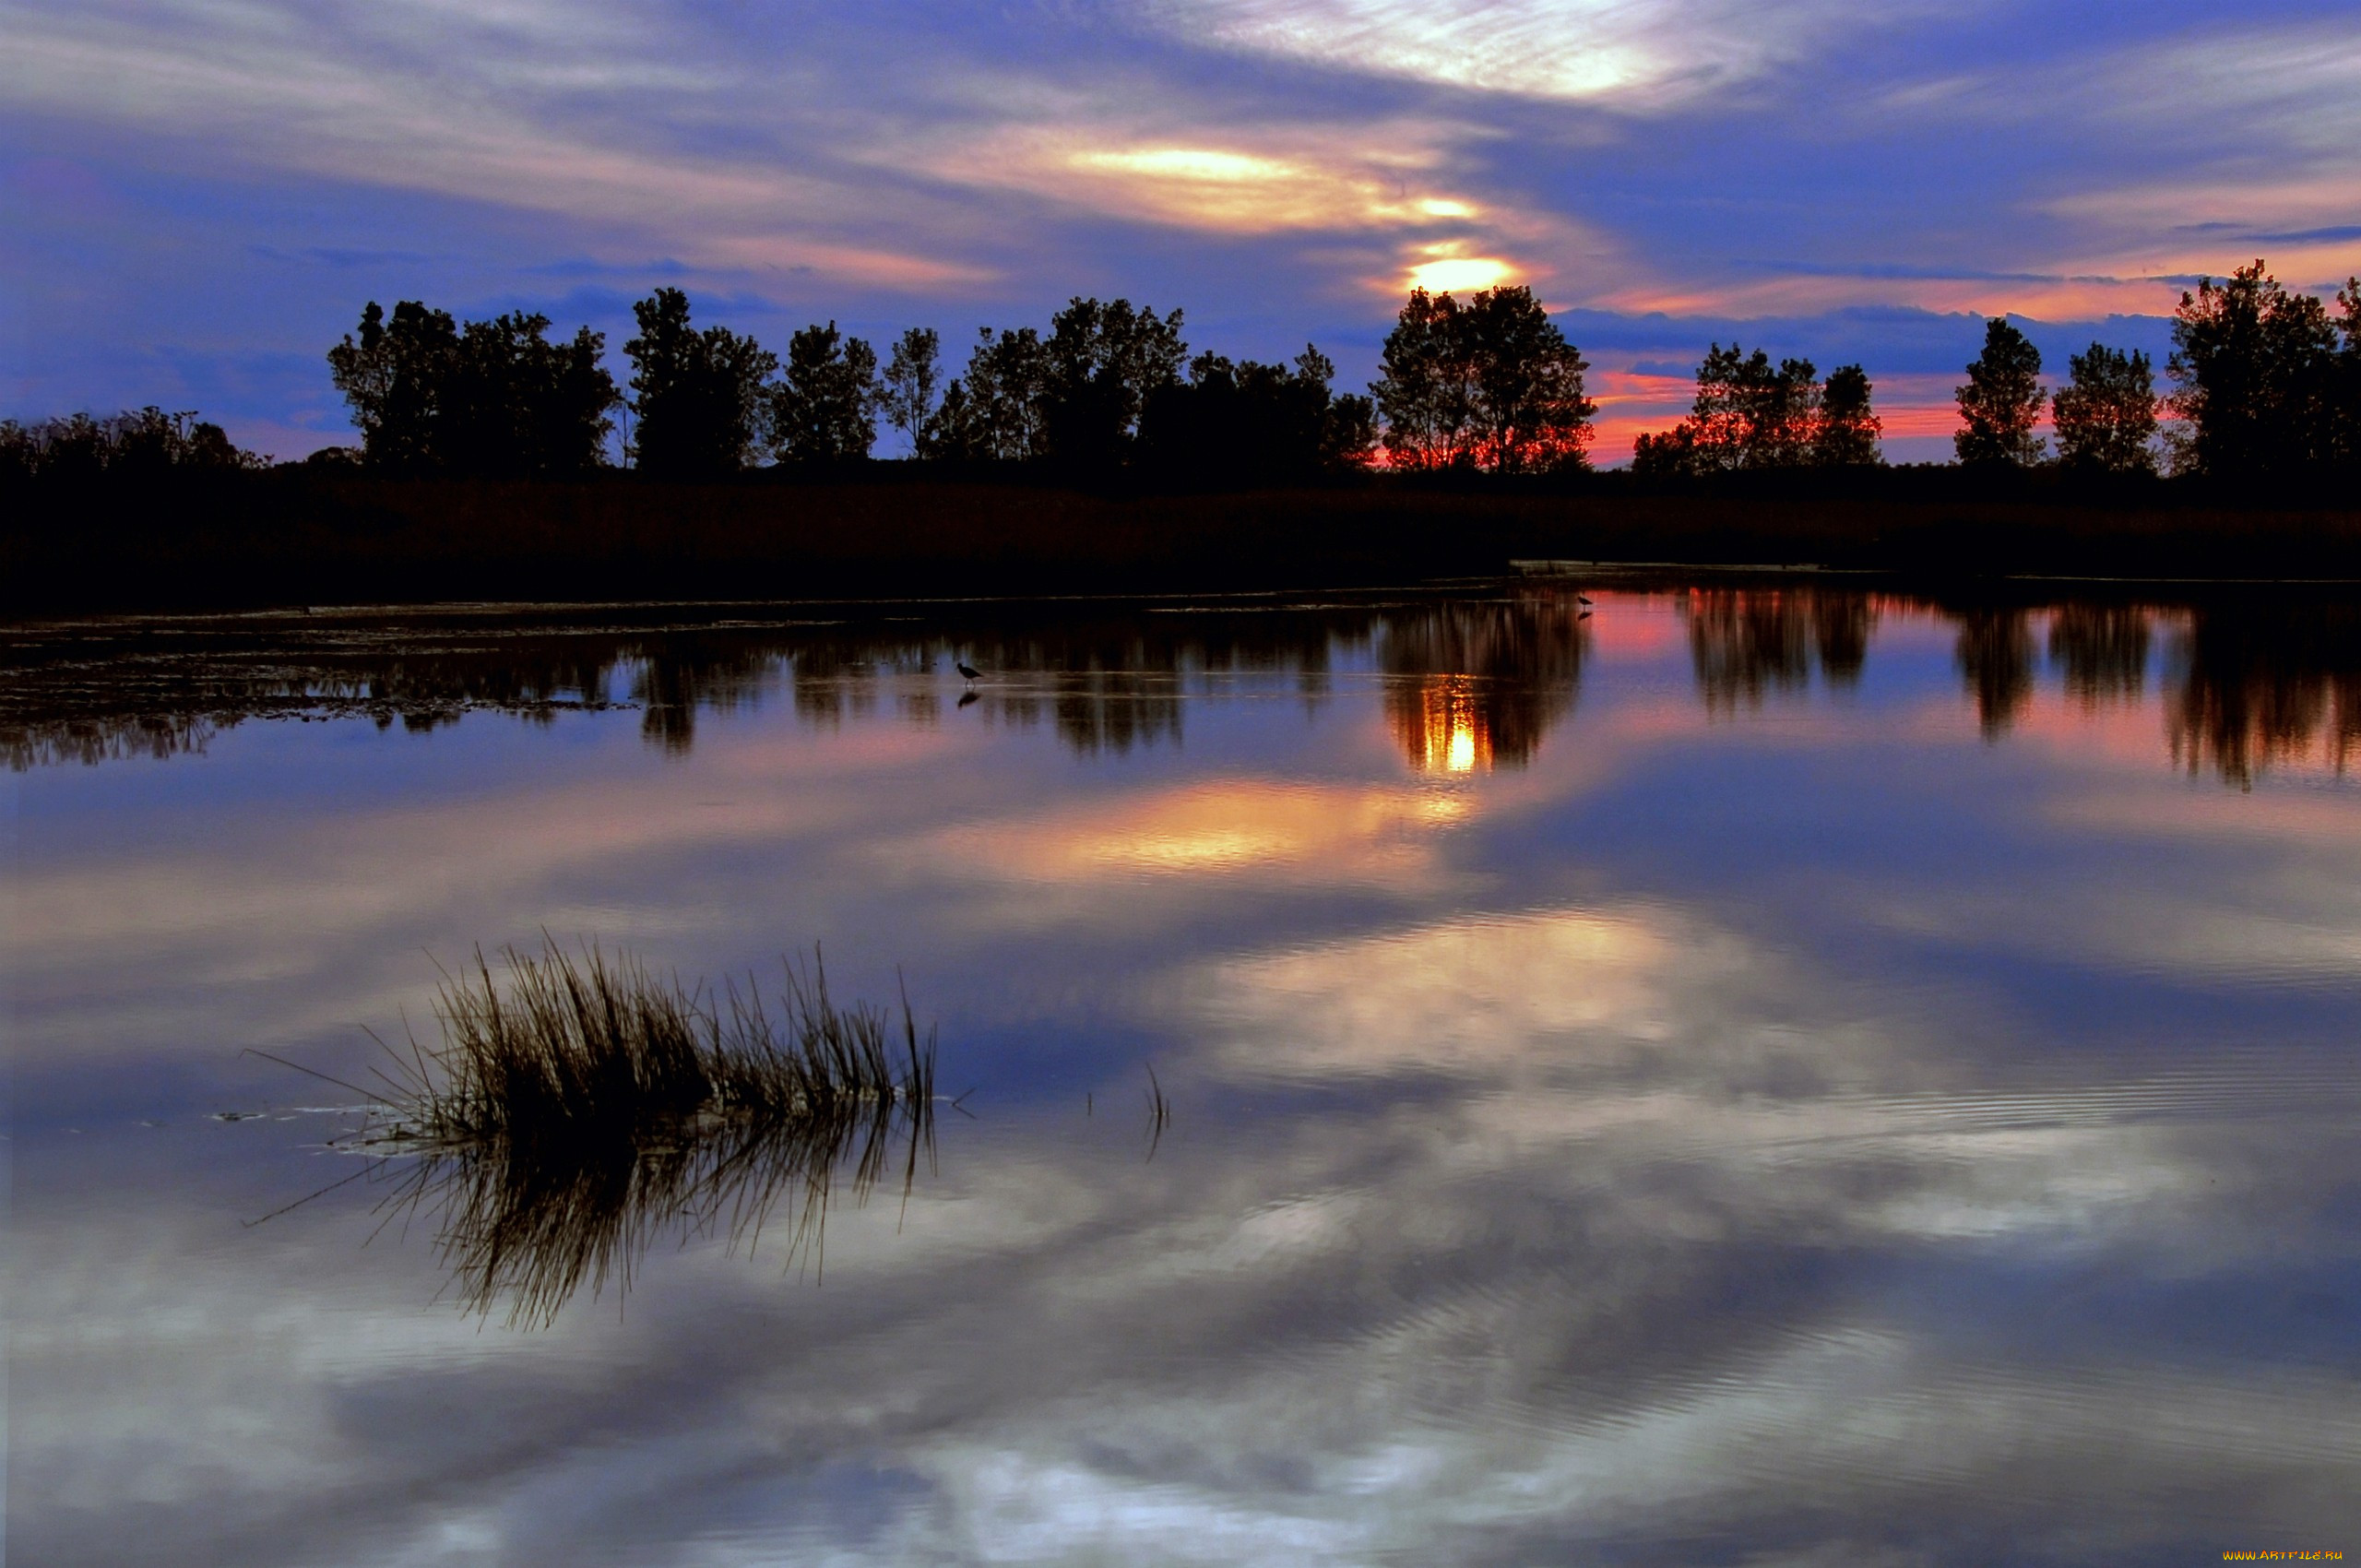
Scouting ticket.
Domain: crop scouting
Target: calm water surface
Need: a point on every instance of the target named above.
(1761, 1074)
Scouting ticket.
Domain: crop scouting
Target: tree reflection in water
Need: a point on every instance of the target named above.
(1746, 643)
(2256, 685)
(1475, 685)
(1469, 681)
(2102, 650)
(1996, 661)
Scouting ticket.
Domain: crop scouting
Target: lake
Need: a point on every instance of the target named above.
(1738, 1069)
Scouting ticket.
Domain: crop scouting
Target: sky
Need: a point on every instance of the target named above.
(197, 196)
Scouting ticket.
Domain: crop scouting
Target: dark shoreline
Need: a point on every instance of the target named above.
(293, 537)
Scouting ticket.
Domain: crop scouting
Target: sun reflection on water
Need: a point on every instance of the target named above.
(1442, 727)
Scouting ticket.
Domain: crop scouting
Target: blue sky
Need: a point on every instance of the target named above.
(201, 194)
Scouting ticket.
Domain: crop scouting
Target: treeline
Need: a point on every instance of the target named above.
(1750, 413)
(2267, 387)
(2267, 384)
(1489, 385)
(137, 442)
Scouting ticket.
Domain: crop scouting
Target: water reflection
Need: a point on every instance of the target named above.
(525, 1228)
(581, 1106)
(1474, 686)
(1996, 661)
(1748, 643)
(1469, 681)
(2255, 686)
(1707, 1137)
(2102, 651)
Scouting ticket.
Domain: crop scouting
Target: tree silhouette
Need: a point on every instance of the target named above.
(395, 376)
(1426, 391)
(1529, 413)
(516, 405)
(2257, 372)
(699, 398)
(1103, 361)
(1750, 413)
(140, 444)
(1247, 423)
(824, 409)
(993, 411)
(1492, 385)
(913, 377)
(2002, 402)
(2346, 397)
(2105, 414)
(492, 399)
(1074, 397)
(1848, 431)
(1349, 438)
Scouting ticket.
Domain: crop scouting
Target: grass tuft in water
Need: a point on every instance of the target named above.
(575, 1111)
(585, 1046)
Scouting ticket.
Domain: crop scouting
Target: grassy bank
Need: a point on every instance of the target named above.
(297, 536)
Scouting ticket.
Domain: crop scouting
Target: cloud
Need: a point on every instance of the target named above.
(1650, 57)
(1226, 178)
(497, 125)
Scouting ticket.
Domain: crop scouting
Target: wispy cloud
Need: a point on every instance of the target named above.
(1640, 54)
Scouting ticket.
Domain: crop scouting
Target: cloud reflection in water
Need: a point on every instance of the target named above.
(1756, 1117)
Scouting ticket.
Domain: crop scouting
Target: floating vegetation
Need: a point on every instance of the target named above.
(584, 1106)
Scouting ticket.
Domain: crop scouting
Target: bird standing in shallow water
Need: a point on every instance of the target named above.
(965, 669)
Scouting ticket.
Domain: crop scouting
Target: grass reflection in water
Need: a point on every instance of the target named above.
(585, 1108)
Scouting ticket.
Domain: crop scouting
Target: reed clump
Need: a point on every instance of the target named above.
(586, 1047)
(575, 1113)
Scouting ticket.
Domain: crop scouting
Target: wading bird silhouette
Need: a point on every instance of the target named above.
(965, 669)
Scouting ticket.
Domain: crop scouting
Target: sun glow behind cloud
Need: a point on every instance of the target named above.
(1232, 189)
(1461, 273)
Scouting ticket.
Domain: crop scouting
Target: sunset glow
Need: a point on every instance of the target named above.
(201, 197)
(1460, 274)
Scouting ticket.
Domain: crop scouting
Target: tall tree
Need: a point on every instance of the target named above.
(1348, 437)
(1846, 432)
(2256, 368)
(2345, 397)
(993, 413)
(699, 397)
(1782, 413)
(487, 400)
(1528, 413)
(395, 377)
(1750, 413)
(2105, 414)
(1426, 389)
(824, 409)
(516, 405)
(913, 377)
(1104, 359)
(1667, 454)
(1246, 423)
(2002, 402)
